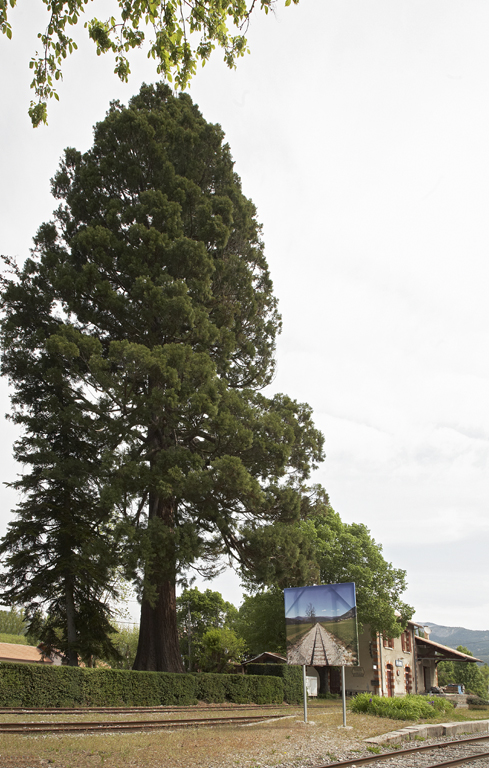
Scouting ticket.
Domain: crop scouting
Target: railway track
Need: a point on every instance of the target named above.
(464, 751)
(319, 657)
(135, 710)
(124, 726)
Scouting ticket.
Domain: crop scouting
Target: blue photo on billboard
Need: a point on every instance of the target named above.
(321, 625)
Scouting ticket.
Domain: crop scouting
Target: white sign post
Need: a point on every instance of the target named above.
(304, 686)
(343, 695)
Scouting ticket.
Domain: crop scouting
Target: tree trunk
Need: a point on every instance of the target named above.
(158, 646)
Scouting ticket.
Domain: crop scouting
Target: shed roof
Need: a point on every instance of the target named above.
(428, 649)
(25, 653)
(267, 658)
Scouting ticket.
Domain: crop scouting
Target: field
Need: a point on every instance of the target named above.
(345, 631)
(296, 632)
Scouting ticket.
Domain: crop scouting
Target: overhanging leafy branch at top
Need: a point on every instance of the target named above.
(177, 33)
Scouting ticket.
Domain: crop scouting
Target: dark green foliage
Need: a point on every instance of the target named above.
(403, 708)
(57, 553)
(328, 696)
(239, 688)
(146, 320)
(477, 702)
(261, 622)
(221, 649)
(347, 552)
(32, 685)
(336, 552)
(291, 676)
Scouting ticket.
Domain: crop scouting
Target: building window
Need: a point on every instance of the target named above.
(406, 641)
(388, 642)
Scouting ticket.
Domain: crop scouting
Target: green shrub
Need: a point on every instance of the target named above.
(291, 676)
(402, 708)
(39, 685)
(328, 696)
(477, 701)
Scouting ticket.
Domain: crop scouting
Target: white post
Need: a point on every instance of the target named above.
(343, 694)
(304, 687)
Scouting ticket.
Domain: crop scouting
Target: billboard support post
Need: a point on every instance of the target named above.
(304, 687)
(343, 694)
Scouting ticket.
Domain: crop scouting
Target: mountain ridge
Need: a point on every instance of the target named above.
(476, 640)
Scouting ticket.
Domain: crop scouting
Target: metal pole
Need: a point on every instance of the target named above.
(343, 694)
(304, 687)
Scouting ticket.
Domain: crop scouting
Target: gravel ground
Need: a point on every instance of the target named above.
(287, 743)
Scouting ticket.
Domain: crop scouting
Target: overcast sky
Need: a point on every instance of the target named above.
(361, 132)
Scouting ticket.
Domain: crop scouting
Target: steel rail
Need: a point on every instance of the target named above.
(399, 753)
(123, 725)
(131, 710)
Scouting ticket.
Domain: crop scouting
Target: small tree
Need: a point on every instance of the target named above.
(311, 612)
(196, 613)
(220, 648)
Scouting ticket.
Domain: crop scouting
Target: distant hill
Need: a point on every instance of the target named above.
(326, 619)
(475, 640)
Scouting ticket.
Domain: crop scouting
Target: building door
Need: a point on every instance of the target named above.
(334, 680)
(390, 680)
(427, 678)
(408, 680)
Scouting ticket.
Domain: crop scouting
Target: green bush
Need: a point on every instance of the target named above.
(291, 676)
(477, 701)
(328, 696)
(402, 708)
(39, 685)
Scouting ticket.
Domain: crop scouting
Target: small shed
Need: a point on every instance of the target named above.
(266, 658)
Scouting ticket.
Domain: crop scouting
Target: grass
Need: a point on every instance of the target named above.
(265, 744)
(268, 744)
(345, 631)
(296, 632)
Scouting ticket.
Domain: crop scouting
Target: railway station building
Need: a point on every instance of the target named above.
(391, 666)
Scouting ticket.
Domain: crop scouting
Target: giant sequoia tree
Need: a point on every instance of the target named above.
(158, 309)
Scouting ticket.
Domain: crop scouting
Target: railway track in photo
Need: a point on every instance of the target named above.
(464, 751)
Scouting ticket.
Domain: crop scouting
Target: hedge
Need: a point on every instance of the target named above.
(37, 685)
(291, 677)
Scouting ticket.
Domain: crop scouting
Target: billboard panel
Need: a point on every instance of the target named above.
(321, 625)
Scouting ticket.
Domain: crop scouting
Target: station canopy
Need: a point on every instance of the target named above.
(427, 649)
